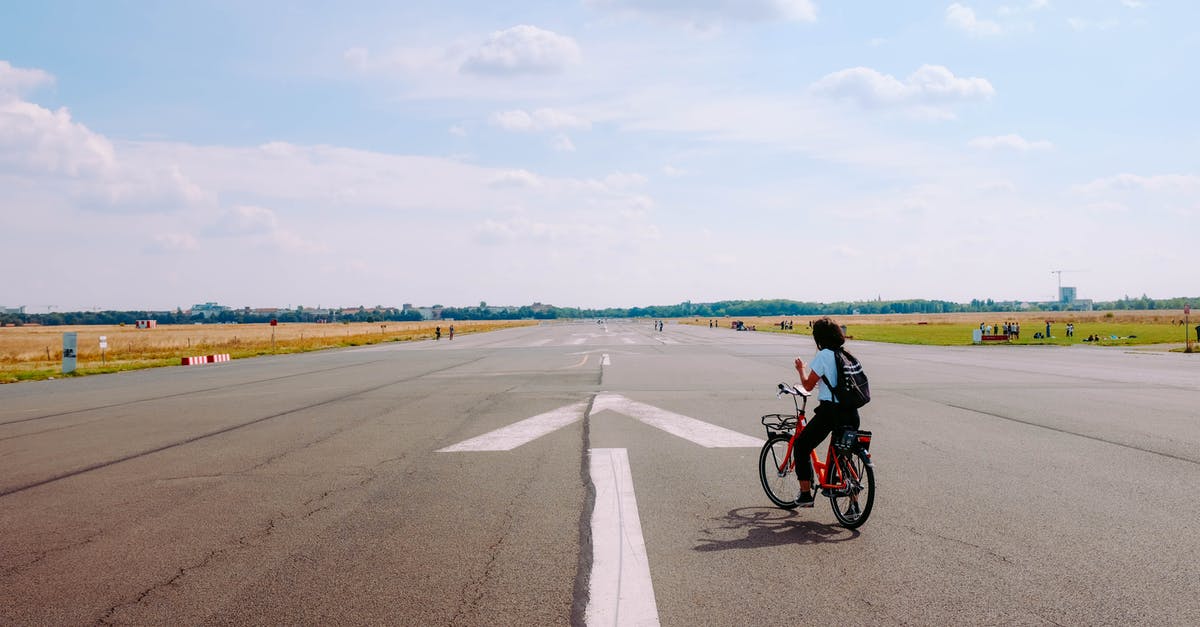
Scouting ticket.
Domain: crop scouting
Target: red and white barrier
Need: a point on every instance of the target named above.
(205, 359)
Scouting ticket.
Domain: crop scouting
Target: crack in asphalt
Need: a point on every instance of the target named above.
(473, 589)
(982, 549)
(107, 618)
(583, 570)
(45, 553)
(247, 541)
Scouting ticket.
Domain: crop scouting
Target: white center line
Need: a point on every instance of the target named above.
(620, 591)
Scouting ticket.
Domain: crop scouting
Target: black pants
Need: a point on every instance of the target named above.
(826, 418)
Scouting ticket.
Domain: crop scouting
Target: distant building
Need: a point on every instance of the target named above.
(208, 310)
(1068, 301)
(12, 310)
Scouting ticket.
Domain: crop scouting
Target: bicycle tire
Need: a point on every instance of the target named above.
(848, 504)
(781, 487)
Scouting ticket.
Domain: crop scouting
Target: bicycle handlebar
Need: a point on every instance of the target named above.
(787, 388)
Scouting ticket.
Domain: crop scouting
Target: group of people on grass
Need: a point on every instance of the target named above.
(1010, 329)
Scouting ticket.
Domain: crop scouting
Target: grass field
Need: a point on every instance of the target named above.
(35, 352)
(1130, 328)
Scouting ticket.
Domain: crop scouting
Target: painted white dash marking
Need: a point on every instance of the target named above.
(518, 433)
(620, 591)
(705, 434)
(605, 361)
(628, 340)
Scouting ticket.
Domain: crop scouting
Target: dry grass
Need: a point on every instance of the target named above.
(35, 352)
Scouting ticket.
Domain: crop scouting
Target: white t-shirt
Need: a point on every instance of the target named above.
(825, 364)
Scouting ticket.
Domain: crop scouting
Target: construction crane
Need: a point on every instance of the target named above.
(1058, 294)
(1059, 273)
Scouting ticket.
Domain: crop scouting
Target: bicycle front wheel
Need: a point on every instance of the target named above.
(778, 473)
(852, 504)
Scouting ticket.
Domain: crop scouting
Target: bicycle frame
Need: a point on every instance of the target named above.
(821, 470)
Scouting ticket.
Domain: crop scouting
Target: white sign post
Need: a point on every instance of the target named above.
(70, 341)
(103, 346)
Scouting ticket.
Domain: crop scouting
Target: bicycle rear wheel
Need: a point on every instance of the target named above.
(781, 486)
(852, 504)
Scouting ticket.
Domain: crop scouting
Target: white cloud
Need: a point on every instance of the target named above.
(134, 187)
(245, 220)
(1011, 142)
(1034, 5)
(522, 49)
(562, 143)
(964, 19)
(168, 243)
(544, 119)
(673, 171)
(458, 130)
(930, 85)
(1154, 183)
(1133, 4)
(36, 140)
(705, 12)
(624, 180)
(85, 165)
(514, 178)
(16, 81)
(1080, 24)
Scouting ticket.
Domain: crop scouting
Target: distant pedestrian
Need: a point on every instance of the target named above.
(437, 333)
(452, 332)
(1047, 329)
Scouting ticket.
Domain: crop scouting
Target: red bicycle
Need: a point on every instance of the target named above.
(847, 476)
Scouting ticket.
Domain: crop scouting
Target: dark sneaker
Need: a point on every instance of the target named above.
(805, 499)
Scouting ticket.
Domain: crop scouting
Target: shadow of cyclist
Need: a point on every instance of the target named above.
(769, 526)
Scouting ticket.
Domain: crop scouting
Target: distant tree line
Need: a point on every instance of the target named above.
(686, 309)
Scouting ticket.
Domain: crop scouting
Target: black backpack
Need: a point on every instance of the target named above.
(852, 389)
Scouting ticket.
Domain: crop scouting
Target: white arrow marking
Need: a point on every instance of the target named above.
(605, 361)
(620, 591)
(698, 431)
(518, 433)
(514, 435)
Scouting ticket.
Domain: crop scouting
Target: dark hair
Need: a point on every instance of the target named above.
(828, 334)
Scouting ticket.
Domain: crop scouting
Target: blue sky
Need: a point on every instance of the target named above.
(595, 153)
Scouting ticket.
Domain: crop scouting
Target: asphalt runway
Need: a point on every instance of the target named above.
(1016, 485)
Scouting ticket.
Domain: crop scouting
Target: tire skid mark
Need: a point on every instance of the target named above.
(179, 394)
(186, 441)
(1069, 432)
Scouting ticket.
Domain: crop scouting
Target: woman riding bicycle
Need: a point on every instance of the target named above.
(828, 415)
